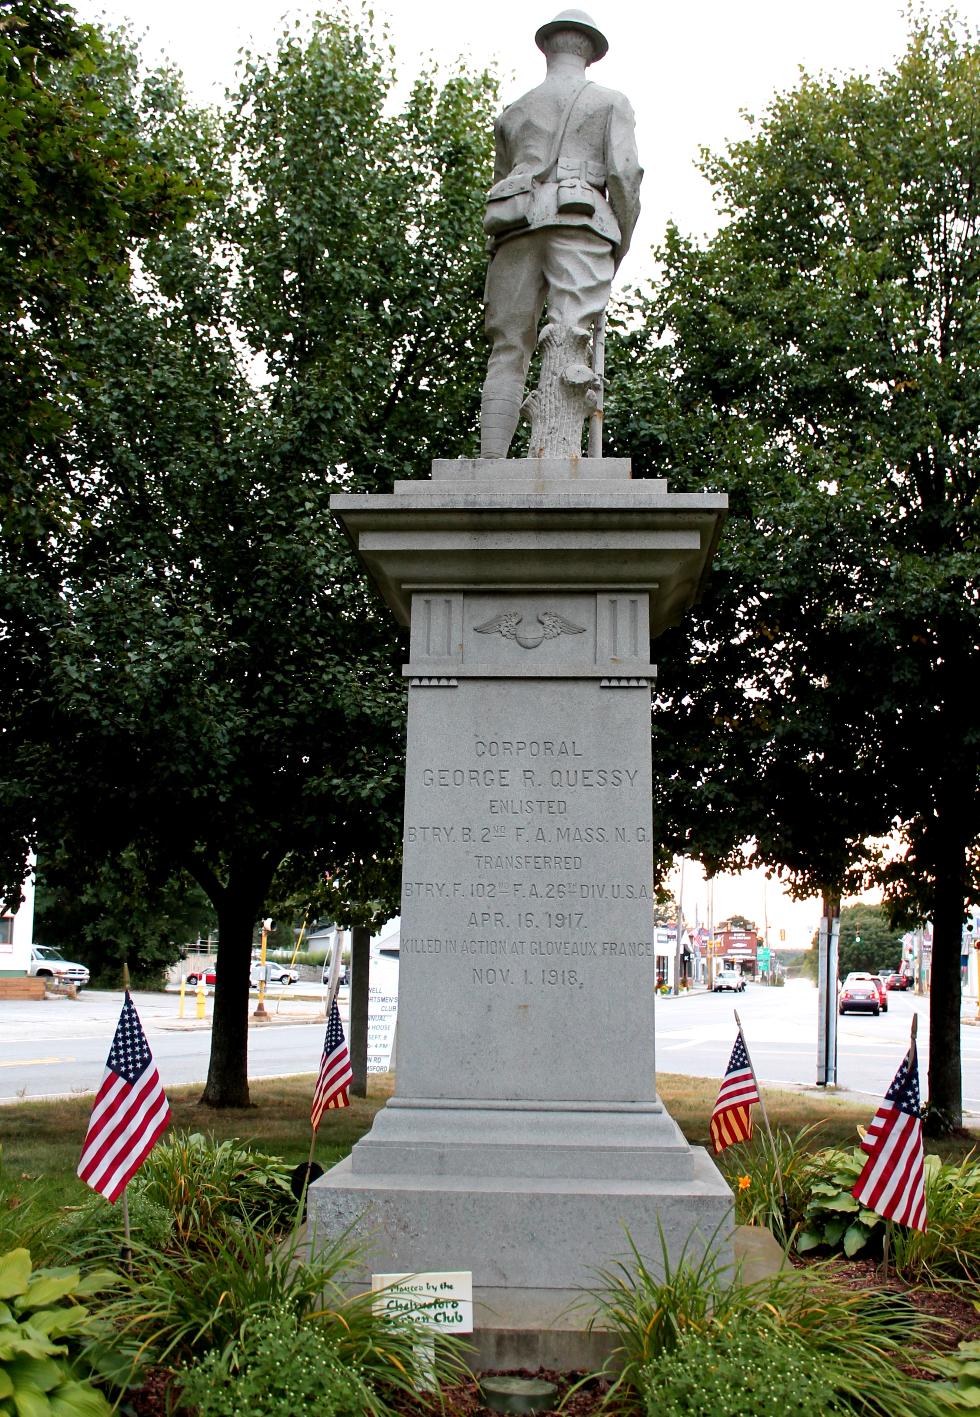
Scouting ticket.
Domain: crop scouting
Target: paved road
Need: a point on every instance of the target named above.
(60, 1046)
(695, 1036)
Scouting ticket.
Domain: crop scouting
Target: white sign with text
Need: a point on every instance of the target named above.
(440, 1299)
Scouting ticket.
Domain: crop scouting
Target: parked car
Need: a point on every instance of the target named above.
(275, 973)
(209, 975)
(344, 981)
(49, 963)
(877, 981)
(728, 979)
(898, 981)
(859, 996)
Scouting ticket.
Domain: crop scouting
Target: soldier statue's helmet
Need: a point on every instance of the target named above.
(575, 20)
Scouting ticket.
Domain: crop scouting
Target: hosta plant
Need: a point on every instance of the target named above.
(833, 1218)
(43, 1326)
(963, 1370)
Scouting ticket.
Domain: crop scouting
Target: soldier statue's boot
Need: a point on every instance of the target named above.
(499, 413)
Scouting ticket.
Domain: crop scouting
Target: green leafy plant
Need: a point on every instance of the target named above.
(281, 1367)
(843, 1334)
(833, 1218)
(947, 1252)
(651, 1313)
(735, 1375)
(44, 1327)
(208, 1295)
(763, 1159)
(963, 1367)
(203, 1183)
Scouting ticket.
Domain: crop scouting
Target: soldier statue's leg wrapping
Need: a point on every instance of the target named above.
(514, 299)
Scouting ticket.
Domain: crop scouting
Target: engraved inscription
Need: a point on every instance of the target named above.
(529, 862)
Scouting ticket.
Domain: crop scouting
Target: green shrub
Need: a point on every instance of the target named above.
(948, 1251)
(843, 1334)
(44, 1332)
(762, 1160)
(280, 1368)
(93, 1231)
(206, 1295)
(735, 1375)
(204, 1183)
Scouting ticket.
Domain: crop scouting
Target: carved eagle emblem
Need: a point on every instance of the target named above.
(507, 624)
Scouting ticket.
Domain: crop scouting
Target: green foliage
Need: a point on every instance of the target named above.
(117, 913)
(868, 942)
(206, 1295)
(650, 1308)
(283, 1367)
(816, 360)
(963, 1367)
(44, 1322)
(93, 1232)
(947, 1252)
(205, 1185)
(763, 1160)
(214, 682)
(842, 1335)
(736, 1375)
(833, 1218)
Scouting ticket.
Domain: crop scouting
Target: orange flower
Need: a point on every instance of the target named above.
(744, 1182)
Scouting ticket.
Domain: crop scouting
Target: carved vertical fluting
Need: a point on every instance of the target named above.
(565, 395)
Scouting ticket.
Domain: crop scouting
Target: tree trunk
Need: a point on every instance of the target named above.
(945, 998)
(227, 1084)
(360, 963)
(565, 395)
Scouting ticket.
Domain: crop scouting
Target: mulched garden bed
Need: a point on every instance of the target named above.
(957, 1320)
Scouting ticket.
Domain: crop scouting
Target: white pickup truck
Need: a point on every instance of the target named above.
(47, 962)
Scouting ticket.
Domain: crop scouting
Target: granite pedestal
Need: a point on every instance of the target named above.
(525, 1140)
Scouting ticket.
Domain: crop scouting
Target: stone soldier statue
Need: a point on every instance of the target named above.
(559, 217)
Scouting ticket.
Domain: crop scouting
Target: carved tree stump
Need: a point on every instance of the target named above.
(565, 396)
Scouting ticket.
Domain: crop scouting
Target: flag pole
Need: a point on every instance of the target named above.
(333, 984)
(889, 1223)
(127, 1253)
(765, 1118)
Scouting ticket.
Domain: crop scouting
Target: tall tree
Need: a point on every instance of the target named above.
(817, 359)
(81, 182)
(219, 681)
(117, 912)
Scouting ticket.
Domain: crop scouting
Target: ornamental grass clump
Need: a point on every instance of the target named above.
(203, 1183)
(210, 1294)
(656, 1312)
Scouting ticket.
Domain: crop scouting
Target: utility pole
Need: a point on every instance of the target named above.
(828, 943)
(680, 926)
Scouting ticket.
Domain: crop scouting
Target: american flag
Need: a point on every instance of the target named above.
(893, 1180)
(335, 1070)
(130, 1112)
(731, 1121)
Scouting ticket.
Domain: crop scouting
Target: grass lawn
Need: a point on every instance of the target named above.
(42, 1140)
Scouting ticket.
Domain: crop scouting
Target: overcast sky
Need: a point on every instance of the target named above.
(690, 71)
